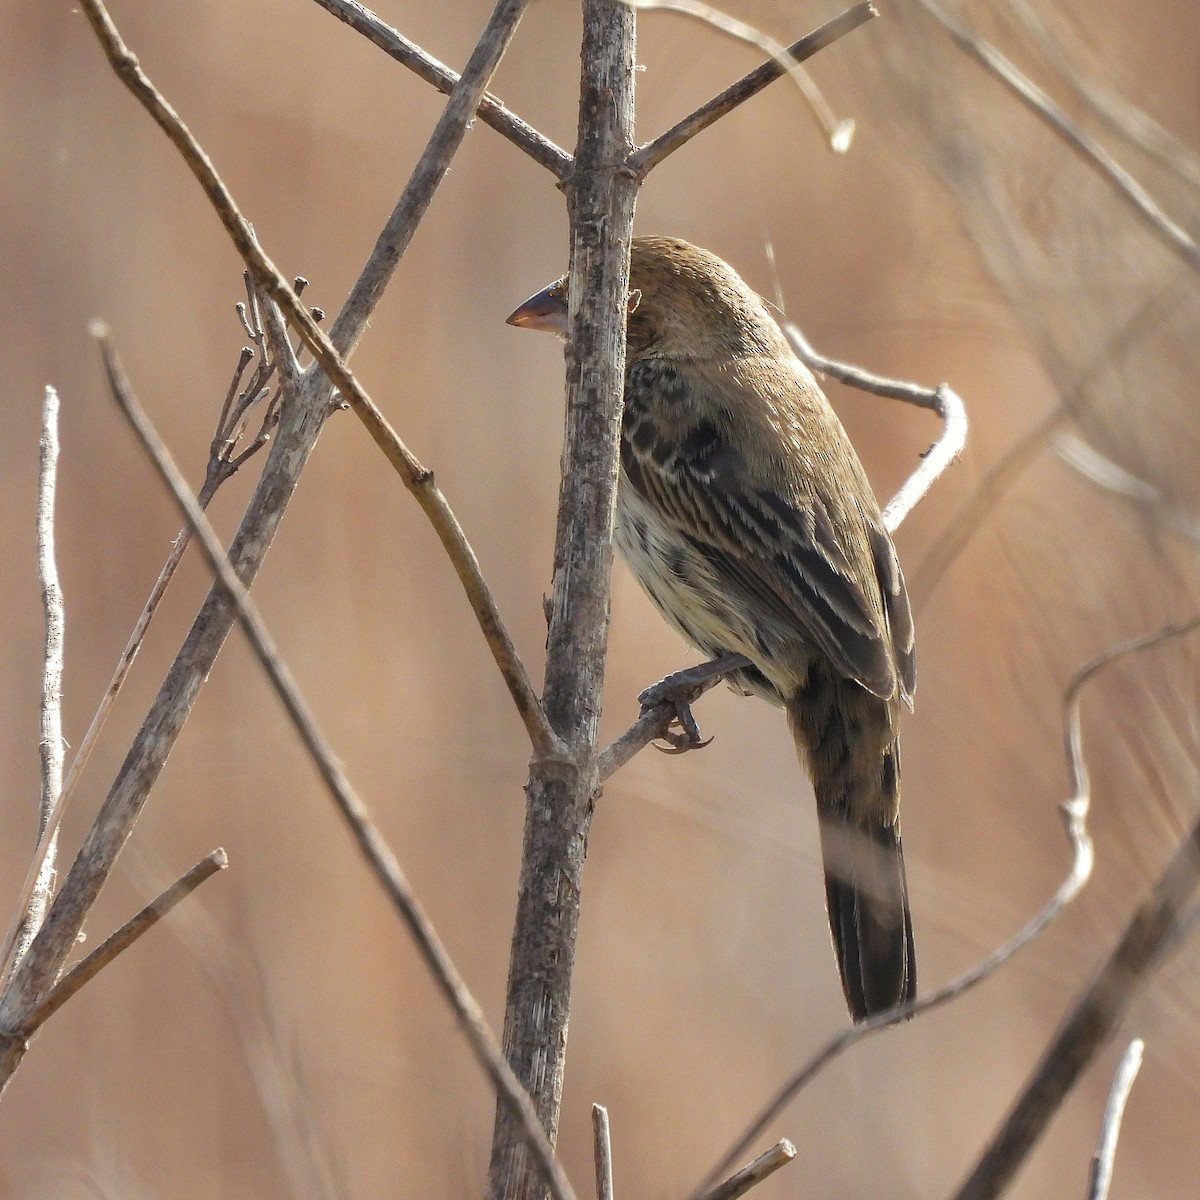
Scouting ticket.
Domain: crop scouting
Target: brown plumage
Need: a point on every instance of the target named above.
(746, 516)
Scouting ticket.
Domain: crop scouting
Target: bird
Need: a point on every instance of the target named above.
(745, 515)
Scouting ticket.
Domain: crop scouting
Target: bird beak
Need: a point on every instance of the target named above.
(546, 311)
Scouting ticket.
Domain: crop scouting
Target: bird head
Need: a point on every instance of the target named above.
(684, 303)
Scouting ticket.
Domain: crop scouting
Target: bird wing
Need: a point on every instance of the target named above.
(781, 545)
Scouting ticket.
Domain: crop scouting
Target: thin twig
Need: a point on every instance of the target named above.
(941, 400)
(602, 1152)
(1171, 234)
(491, 111)
(50, 742)
(364, 296)
(765, 1165)
(654, 152)
(1100, 1176)
(371, 843)
(85, 971)
(839, 133)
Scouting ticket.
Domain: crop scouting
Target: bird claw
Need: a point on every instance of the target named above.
(678, 694)
(680, 743)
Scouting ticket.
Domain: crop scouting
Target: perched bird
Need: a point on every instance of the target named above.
(746, 516)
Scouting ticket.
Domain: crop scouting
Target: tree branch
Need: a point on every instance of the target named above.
(601, 194)
(602, 1152)
(87, 970)
(491, 111)
(1110, 1128)
(36, 900)
(329, 349)
(765, 1165)
(663, 146)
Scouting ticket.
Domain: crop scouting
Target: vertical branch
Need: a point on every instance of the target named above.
(51, 738)
(601, 196)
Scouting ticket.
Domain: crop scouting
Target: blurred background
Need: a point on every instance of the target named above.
(278, 1036)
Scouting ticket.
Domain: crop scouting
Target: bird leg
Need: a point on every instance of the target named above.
(679, 691)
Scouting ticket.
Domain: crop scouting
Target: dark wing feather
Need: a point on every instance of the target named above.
(769, 549)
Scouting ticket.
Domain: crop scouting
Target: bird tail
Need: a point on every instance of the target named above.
(846, 737)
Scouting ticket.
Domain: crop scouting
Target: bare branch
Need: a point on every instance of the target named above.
(371, 843)
(601, 196)
(124, 937)
(753, 1173)
(602, 1152)
(390, 246)
(1171, 234)
(50, 742)
(491, 111)
(1110, 1129)
(653, 153)
(941, 400)
(838, 133)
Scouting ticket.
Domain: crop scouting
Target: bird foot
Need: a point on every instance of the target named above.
(677, 692)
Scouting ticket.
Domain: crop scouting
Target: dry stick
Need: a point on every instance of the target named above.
(491, 111)
(1074, 813)
(328, 349)
(941, 400)
(1139, 200)
(602, 1152)
(370, 841)
(840, 134)
(87, 970)
(1100, 1176)
(650, 155)
(50, 742)
(600, 199)
(765, 1165)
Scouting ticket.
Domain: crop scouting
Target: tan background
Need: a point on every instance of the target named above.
(704, 966)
